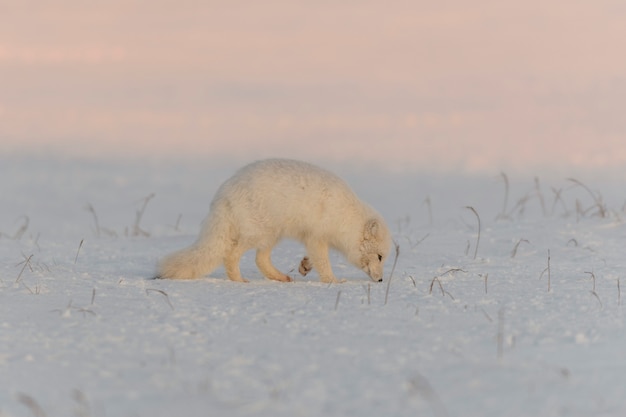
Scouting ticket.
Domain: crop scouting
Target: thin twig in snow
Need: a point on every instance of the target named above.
(413, 281)
(137, 231)
(420, 386)
(505, 203)
(542, 201)
(602, 211)
(547, 270)
(593, 278)
(31, 404)
(90, 209)
(432, 284)
(595, 294)
(167, 298)
(430, 210)
(80, 245)
(478, 238)
(26, 263)
(393, 268)
(516, 247)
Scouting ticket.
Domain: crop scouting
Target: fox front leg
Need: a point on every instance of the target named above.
(318, 257)
(305, 267)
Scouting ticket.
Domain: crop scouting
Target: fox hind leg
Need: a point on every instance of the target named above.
(231, 263)
(264, 263)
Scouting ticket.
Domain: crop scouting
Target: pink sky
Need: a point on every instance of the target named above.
(477, 86)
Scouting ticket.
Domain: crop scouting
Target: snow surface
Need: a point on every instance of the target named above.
(83, 331)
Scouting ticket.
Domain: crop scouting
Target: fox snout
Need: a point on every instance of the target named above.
(372, 265)
(375, 275)
(376, 278)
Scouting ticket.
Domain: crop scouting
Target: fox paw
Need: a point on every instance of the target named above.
(281, 278)
(305, 266)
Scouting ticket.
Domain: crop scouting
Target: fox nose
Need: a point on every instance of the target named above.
(380, 280)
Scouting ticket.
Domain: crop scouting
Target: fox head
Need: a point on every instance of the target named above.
(374, 248)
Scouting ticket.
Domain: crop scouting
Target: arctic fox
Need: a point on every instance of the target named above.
(273, 199)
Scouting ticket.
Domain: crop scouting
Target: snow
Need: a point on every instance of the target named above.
(83, 331)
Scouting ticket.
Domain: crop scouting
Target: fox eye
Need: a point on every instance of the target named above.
(380, 258)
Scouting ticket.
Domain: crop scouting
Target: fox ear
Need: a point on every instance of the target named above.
(371, 229)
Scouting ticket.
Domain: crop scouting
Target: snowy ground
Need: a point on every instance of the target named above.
(538, 332)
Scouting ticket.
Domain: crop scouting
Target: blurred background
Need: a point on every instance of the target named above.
(447, 86)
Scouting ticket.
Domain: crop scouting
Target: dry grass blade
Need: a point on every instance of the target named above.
(37, 289)
(436, 279)
(413, 281)
(432, 284)
(31, 404)
(20, 232)
(516, 247)
(64, 311)
(520, 206)
(486, 278)
(478, 238)
(452, 271)
(416, 244)
(393, 268)
(167, 298)
(505, 203)
(86, 310)
(403, 222)
(429, 205)
(542, 201)
(487, 316)
(137, 231)
(337, 300)
(558, 198)
(80, 245)
(177, 225)
(419, 385)
(593, 278)
(595, 294)
(84, 409)
(548, 271)
(26, 263)
(597, 198)
(90, 209)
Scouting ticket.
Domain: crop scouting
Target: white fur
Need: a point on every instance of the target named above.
(273, 199)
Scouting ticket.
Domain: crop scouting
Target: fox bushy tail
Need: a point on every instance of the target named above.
(199, 259)
(189, 263)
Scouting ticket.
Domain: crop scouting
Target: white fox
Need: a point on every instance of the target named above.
(272, 199)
